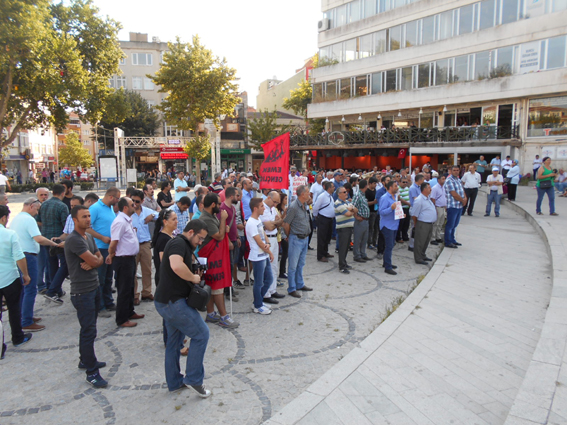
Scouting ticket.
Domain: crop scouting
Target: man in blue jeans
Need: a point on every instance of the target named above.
(456, 199)
(388, 224)
(494, 182)
(176, 280)
(102, 216)
(297, 228)
(260, 256)
(83, 258)
(43, 282)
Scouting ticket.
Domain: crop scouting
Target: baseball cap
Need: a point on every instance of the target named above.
(355, 175)
(434, 174)
(337, 174)
(495, 169)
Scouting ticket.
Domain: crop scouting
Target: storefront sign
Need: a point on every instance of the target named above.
(548, 151)
(529, 57)
(233, 127)
(172, 152)
(174, 142)
(234, 151)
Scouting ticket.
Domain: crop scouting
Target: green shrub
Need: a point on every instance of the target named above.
(87, 186)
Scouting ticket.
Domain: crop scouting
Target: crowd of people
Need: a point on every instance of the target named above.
(228, 227)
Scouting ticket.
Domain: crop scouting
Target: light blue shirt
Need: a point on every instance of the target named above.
(424, 209)
(102, 217)
(26, 228)
(514, 174)
(325, 206)
(139, 223)
(387, 214)
(246, 198)
(177, 183)
(197, 215)
(414, 192)
(433, 182)
(438, 194)
(69, 225)
(10, 252)
(316, 190)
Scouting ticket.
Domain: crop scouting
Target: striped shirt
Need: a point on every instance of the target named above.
(404, 195)
(453, 184)
(340, 211)
(361, 203)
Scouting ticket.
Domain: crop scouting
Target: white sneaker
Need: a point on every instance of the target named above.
(262, 310)
(139, 275)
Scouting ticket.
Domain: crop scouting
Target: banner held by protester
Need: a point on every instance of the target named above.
(275, 168)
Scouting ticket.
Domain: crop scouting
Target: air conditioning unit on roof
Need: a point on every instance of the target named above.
(323, 25)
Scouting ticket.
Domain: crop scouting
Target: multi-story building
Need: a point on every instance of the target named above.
(448, 80)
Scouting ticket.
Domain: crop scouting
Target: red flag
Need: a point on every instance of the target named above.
(218, 274)
(402, 153)
(275, 168)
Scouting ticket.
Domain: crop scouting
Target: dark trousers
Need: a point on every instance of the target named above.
(240, 262)
(283, 259)
(87, 305)
(344, 235)
(125, 268)
(512, 191)
(324, 231)
(402, 234)
(423, 232)
(12, 294)
(453, 219)
(389, 242)
(105, 282)
(311, 227)
(373, 222)
(381, 244)
(58, 272)
(44, 280)
(471, 197)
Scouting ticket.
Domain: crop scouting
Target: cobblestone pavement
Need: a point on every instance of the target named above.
(253, 371)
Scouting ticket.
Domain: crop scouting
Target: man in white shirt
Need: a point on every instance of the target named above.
(496, 162)
(272, 222)
(537, 163)
(506, 165)
(3, 183)
(180, 186)
(324, 213)
(260, 256)
(317, 188)
(471, 182)
(494, 182)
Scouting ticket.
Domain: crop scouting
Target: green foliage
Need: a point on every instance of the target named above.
(265, 128)
(56, 59)
(299, 99)
(128, 110)
(199, 86)
(74, 154)
(199, 148)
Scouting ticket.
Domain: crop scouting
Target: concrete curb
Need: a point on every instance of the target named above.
(300, 407)
(542, 397)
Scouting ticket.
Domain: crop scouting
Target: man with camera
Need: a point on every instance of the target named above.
(176, 282)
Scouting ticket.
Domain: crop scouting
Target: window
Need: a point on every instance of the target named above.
(445, 25)
(391, 80)
(509, 11)
(112, 82)
(361, 88)
(85, 132)
(120, 81)
(354, 11)
(151, 103)
(547, 117)
(395, 42)
(399, 3)
(341, 15)
(377, 83)
(337, 52)
(423, 75)
(412, 29)
(482, 65)
(317, 92)
(331, 90)
(379, 42)
(559, 5)
(487, 9)
(345, 88)
(466, 19)
(365, 46)
(122, 61)
(370, 8)
(148, 84)
(406, 78)
(460, 69)
(441, 72)
(142, 59)
(505, 62)
(137, 83)
(428, 30)
(555, 52)
(350, 50)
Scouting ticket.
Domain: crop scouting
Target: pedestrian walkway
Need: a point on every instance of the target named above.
(475, 343)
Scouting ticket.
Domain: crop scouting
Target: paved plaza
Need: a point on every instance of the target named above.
(253, 371)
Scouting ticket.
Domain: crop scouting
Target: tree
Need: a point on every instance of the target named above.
(265, 128)
(74, 154)
(298, 101)
(199, 86)
(56, 59)
(200, 149)
(128, 110)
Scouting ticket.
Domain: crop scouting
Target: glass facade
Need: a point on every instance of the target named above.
(548, 117)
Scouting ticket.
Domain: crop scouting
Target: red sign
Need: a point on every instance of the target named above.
(172, 152)
(402, 153)
(275, 168)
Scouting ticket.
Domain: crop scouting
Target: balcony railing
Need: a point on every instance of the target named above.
(301, 137)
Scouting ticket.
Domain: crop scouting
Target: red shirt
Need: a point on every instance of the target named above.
(231, 221)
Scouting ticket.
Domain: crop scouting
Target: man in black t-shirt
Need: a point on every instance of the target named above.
(83, 257)
(372, 225)
(176, 281)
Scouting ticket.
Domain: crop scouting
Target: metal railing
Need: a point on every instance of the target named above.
(301, 137)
